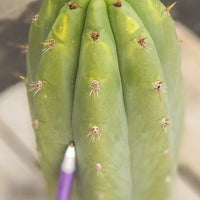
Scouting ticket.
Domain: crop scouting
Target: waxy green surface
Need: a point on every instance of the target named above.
(137, 155)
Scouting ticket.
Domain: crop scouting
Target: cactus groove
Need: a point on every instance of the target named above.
(106, 75)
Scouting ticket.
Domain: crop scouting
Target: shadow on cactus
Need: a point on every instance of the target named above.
(106, 75)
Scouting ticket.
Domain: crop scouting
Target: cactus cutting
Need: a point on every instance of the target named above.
(106, 75)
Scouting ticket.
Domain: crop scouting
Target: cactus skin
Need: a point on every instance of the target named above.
(124, 47)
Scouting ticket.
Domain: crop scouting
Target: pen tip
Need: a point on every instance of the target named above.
(71, 144)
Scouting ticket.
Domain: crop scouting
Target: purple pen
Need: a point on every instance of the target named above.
(67, 174)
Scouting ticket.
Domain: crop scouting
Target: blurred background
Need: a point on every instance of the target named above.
(20, 177)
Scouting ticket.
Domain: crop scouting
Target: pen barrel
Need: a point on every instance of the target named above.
(65, 185)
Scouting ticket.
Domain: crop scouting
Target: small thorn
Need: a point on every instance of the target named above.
(95, 88)
(98, 168)
(35, 18)
(165, 123)
(95, 133)
(37, 86)
(168, 8)
(142, 42)
(35, 124)
(72, 5)
(159, 87)
(117, 3)
(20, 76)
(48, 45)
(23, 47)
(25, 79)
(180, 41)
(94, 35)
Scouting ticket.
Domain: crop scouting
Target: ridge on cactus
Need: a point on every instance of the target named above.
(106, 75)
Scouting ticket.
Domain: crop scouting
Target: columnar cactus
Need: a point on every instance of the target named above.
(106, 75)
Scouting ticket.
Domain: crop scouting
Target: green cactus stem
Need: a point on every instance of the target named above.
(106, 75)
